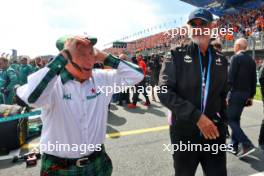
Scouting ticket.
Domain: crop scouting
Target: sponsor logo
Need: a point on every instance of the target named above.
(67, 96)
(218, 62)
(187, 59)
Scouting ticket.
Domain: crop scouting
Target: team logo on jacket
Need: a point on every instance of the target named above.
(218, 62)
(187, 59)
(67, 96)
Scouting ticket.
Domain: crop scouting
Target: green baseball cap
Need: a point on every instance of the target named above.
(60, 42)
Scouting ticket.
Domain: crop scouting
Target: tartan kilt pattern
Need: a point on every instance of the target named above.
(101, 166)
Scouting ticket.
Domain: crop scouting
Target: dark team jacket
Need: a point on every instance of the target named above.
(261, 81)
(242, 74)
(182, 77)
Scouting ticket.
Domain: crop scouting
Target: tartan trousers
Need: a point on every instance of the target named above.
(100, 166)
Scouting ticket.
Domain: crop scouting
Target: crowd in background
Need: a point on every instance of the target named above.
(15, 73)
(247, 23)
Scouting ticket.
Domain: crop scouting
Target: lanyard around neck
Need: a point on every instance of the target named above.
(205, 81)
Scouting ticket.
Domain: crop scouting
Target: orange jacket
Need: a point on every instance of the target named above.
(143, 66)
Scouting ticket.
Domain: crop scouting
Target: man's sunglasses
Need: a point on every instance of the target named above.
(200, 23)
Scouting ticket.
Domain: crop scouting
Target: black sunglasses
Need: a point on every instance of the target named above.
(201, 24)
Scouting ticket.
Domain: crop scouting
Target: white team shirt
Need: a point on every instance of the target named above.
(76, 113)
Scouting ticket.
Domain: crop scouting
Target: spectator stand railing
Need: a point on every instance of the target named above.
(254, 43)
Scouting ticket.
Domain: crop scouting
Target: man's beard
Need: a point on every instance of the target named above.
(200, 40)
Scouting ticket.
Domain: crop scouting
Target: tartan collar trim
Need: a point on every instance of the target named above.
(65, 76)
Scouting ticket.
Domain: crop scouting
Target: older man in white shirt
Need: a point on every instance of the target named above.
(74, 98)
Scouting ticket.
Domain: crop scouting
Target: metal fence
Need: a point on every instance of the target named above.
(254, 43)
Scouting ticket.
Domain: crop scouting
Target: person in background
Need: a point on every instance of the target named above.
(261, 81)
(24, 70)
(217, 45)
(39, 62)
(45, 61)
(134, 60)
(242, 81)
(8, 80)
(33, 65)
(154, 68)
(141, 87)
(15, 66)
(124, 95)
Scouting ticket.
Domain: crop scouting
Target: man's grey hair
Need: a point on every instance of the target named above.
(242, 43)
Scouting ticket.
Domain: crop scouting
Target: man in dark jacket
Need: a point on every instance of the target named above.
(196, 82)
(154, 68)
(242, 81)
(140, 87)
(261, 81)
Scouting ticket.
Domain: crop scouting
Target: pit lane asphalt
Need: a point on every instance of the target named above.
(137, 146)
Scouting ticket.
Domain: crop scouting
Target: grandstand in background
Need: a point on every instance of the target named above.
(249, 25)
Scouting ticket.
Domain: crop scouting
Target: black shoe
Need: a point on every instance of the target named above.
(233, 151)
(244, 151)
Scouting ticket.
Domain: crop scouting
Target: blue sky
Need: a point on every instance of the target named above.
(32, 26)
